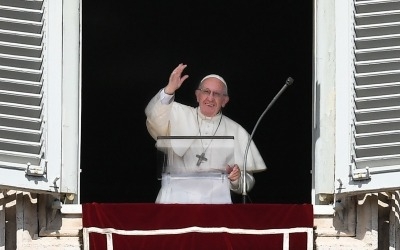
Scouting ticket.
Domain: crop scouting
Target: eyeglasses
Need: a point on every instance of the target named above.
(209, 92)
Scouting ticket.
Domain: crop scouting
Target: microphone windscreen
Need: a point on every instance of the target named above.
(289, 81)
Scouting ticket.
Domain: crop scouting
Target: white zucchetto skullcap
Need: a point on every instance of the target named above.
(214, 76)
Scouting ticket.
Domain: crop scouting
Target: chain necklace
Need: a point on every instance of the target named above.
(202, 155)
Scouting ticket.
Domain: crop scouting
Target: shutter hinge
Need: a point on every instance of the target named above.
(359, 174)
(36, 170)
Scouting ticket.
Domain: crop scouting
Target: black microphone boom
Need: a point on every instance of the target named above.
(288, 82)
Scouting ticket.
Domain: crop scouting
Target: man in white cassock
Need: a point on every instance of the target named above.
(193, 176)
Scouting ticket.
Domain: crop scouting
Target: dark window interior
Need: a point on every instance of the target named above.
(129, 50)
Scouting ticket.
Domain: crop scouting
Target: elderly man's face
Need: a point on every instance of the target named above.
(211, 96)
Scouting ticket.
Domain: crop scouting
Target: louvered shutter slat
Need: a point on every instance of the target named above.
(377, 85)
(21, 100)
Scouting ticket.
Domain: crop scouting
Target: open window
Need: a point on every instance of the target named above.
(40, 97)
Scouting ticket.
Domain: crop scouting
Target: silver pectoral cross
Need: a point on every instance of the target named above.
(201, 159)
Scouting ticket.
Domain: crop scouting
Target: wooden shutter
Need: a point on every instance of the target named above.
(375, 99)
(38, 98)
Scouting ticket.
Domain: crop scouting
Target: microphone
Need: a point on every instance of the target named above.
(289, 81)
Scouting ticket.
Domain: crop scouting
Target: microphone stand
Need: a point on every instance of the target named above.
(288, 82)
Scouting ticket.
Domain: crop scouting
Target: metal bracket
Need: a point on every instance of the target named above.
(36, 170)
(359, 174)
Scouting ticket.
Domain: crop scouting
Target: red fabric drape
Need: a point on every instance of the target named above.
(143, 216)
